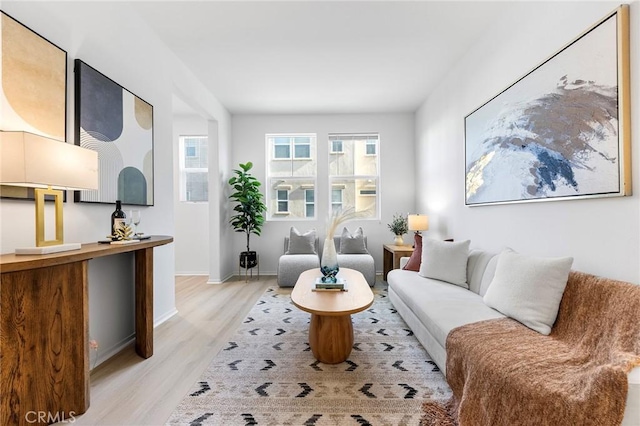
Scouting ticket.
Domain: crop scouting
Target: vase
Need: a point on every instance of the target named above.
(398, 241)
(329, 262)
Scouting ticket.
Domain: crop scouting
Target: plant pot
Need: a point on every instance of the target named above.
(398, 240)
(248, 259)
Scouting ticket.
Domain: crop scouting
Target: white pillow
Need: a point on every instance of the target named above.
(445, 261)
(529, 289)
(302, 243)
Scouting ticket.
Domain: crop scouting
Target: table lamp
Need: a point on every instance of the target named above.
(49, 166)
(418, 222)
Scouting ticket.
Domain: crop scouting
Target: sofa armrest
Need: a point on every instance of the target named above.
(404, 261)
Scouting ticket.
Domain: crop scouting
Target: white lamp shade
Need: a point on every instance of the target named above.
(418, 222)
(36, 161)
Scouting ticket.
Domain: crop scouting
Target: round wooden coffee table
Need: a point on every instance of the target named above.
(331, 330)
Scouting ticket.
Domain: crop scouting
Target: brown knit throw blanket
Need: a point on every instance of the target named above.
(503, 373)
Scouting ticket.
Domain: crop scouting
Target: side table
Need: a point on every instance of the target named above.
(391, 255)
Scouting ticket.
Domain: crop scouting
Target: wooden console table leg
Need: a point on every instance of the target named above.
(44, 342)
(144, 302)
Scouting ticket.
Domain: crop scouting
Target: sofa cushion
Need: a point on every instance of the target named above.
(529, 289)
(439, 306)
(301, 243)
(416, 257)
(445, 261)
(477, 265)
(352, 244)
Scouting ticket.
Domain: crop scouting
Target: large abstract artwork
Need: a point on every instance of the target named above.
(33, 87)
(562, 130)
(119, 126)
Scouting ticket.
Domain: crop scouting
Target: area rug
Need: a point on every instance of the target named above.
(267, 375)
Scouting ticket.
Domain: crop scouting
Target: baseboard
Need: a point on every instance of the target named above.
(189, 274)
(164, 317)
(104, 355)
(217, 282)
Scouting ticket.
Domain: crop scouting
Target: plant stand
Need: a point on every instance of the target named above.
(248, 272)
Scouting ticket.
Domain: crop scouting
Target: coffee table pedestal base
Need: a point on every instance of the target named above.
(331, 338)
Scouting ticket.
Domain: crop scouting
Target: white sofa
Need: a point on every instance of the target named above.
(433, 308)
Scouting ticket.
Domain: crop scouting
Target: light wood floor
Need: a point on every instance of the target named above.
(128, 390)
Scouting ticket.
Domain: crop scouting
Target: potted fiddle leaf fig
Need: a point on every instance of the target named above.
(249, 209)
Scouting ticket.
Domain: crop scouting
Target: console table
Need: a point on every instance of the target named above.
(44, 328)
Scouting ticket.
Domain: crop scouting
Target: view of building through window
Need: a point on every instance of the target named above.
(291, 176)
(292, 167)
(354, 171)
(194, 168)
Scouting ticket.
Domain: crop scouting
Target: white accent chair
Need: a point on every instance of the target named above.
(290, 266)
(362, 262)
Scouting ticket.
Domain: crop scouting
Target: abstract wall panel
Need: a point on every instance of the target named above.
(119, 126)
(33, 87)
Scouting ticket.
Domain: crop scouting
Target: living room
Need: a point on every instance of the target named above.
(421, 157)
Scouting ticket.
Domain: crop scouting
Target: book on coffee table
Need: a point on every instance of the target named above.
(339, 285)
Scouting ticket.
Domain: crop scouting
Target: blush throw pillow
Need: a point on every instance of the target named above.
(529, 289)
(414, 261)
(302, 243)
(445, 261)
(352, 244)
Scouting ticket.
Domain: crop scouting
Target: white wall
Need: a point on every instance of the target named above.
(110, 37)
(396, 175)
(602, 234)
(191, 238)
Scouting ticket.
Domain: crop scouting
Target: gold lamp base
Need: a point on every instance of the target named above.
(48, 246)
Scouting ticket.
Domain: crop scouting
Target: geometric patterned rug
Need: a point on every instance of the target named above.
(267, 375)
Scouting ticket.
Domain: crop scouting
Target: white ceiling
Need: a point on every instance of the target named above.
(319, 56)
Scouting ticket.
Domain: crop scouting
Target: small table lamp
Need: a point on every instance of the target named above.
(50, 166)
(418, 222)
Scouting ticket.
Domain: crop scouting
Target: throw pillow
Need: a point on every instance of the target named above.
(352, 244)
(302, 243)
(445, 261)
(414, 261)
(529, 289)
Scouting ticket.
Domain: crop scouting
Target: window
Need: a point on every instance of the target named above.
(194, 168)
(336, 147)
(282, 197)
(291, 176)
(309, 203)
(370, 147)
(302, 148)
(336, 199)
(353, 176)
(282, 148)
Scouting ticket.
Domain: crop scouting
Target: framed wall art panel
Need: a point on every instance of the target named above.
(561, 131)
(119, 126)
(33, 87)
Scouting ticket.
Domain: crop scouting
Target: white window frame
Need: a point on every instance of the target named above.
(282, 200)
(333, 150)
(293, 143)
(184, 171)
(275, 157)
(308, 203)
(369, 143)
(296, 144)
(279, 179)
(337, 204)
